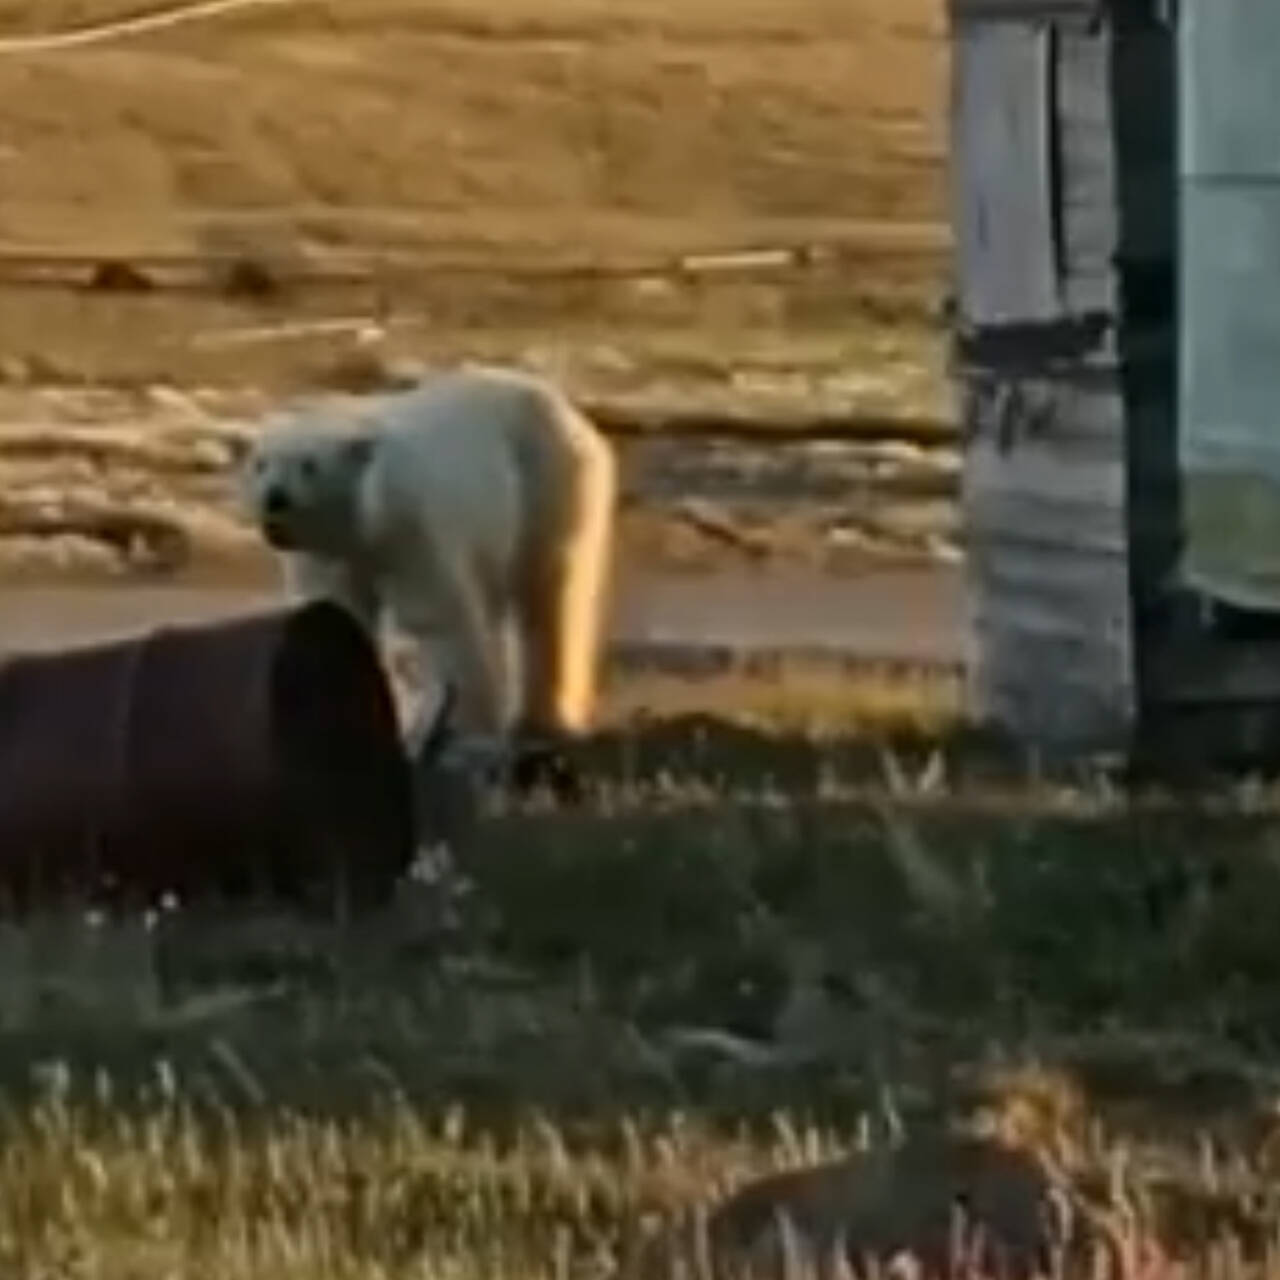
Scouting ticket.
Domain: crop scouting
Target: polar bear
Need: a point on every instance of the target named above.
(474, 512)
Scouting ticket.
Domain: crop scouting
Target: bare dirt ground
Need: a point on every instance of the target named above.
(522, 182)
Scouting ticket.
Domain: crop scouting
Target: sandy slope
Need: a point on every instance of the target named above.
(439, 121)
(508, 131)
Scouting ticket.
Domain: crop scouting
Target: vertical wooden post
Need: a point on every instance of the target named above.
(1063, 205)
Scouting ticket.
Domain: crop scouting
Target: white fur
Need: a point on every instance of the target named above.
(476, 512)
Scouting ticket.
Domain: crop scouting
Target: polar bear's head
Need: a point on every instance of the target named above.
(302, 480)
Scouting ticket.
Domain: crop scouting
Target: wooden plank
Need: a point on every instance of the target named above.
(1058, 479)
(1069, 609)
(1066, 611)
(1006, 268)
(1083, 406)
(1042, 661)
(1074, 345)
(1054, 690)
(1064, 587)
(1047, 499)
(1089, 218)
(1115, 99)
(1057, 690)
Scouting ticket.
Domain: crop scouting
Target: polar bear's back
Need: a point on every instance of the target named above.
(477, 449)
(520, 408)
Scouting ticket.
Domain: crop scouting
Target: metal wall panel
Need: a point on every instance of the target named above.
(1229, 337)
(1230, 88)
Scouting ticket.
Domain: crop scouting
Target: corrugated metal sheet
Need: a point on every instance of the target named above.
(1229, 420)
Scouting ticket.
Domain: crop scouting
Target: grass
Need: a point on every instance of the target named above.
(167, 1192)
(88, 1190)
(619, 1012)
(811, 698)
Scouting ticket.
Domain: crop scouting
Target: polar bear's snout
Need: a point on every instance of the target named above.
(276, 501)
(277, 516)
(277, 507)
(301, 485)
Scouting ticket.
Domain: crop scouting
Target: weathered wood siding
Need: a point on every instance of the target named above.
(1063, 207)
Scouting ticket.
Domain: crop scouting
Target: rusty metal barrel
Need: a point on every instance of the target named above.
(255, 757)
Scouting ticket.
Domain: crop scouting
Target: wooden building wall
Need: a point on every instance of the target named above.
(1064, 205)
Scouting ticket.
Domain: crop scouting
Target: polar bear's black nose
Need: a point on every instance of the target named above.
(276, 500)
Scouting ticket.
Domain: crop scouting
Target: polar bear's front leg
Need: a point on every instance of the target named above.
(465, 648)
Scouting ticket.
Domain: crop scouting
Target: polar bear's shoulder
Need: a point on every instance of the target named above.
(482, 386)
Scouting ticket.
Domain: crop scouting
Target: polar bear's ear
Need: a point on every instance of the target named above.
(357, 451)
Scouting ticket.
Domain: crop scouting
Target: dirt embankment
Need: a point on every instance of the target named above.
(554, 123)
(464, 148)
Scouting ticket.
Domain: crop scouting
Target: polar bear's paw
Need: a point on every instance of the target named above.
(519, 763)
(544, 764)
(517, 766)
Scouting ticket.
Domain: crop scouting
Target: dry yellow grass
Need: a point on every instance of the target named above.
(806, 697)
(162, 1194)
(183, 1186)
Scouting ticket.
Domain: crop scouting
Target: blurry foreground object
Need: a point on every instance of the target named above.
(258, 757)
